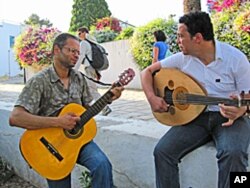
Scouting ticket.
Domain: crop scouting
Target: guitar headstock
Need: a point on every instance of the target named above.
(126, 77)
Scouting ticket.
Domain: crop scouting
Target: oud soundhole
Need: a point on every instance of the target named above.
(179, 98)
(171, 110)
(170, 84)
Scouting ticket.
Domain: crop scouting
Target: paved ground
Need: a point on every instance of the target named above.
(131, 105)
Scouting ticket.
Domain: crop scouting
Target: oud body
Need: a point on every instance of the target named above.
(186, 97)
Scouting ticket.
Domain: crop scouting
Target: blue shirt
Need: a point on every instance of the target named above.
(163, 47)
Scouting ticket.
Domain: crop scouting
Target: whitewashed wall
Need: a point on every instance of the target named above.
(9, 67)
(120, 58)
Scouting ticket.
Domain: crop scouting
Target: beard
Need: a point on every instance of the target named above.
(65, 62)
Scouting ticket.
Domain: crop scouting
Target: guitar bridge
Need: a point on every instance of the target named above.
(51, 149)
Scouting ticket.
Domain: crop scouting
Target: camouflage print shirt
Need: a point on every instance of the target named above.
(45, 95)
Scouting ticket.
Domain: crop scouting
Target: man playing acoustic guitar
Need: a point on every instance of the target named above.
(37, 110)
(223, 71)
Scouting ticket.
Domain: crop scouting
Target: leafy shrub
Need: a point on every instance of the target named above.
(104, 35)
(125, 33)
(34, 45)
(231, 20)
(106, 29)
(85, 179)
(143, 39)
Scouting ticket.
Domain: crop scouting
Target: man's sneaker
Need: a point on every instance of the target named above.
(106, 111)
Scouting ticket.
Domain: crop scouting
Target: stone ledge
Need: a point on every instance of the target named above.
(129, 145)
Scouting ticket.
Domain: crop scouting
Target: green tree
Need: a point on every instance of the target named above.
(86, 12)
(34, 20)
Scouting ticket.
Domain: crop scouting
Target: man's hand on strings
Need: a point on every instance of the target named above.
(117, 91)
(231, 112)
(158, 104)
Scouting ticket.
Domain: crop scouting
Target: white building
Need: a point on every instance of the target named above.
(8, 32)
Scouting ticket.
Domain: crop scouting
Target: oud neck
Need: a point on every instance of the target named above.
(206, 100)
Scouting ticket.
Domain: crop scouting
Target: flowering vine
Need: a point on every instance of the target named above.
(34, 45)
(219, 5)
(231, 21)
(242, 22)
(108, 23)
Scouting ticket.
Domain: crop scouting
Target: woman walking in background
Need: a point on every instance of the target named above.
(160, 47)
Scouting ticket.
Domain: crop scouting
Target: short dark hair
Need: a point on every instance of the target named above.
(198, 22)
(60, 40)
(160, 35)
(83, 29)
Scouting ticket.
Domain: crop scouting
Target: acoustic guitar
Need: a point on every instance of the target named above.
(53, 152)
(186, 97)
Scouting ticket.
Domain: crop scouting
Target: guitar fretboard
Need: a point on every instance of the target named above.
(96, 107)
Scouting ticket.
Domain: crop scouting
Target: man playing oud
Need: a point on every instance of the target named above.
(222, 70)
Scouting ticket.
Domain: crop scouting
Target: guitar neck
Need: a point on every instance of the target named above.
(93, 110)
(96, 107)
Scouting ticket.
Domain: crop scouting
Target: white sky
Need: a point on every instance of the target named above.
(136, 12)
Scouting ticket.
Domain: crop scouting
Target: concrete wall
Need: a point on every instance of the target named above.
(9, 67)
(129, 145)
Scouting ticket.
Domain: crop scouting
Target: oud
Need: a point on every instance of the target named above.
(186, 97)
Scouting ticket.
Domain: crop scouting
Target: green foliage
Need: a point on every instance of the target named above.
(125, 33)
(34, 20)
(143, 39)
(232, 25)
(106, 29)
(104, 35)
(87, 12)
(85, 179)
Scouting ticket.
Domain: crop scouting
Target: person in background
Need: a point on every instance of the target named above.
(222, 70)
(84, 66)
(47, 92)
(160, 46)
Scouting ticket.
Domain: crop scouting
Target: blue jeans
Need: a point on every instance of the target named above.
(231, 144)
(98, 164)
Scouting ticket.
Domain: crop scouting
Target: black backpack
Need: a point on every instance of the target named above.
(99, 57)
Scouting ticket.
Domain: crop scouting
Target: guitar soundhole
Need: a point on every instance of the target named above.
(73, 133)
